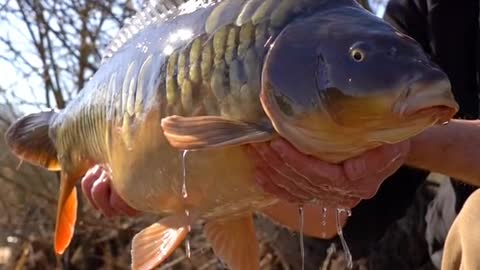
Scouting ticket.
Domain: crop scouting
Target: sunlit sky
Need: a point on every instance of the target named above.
(15, 82)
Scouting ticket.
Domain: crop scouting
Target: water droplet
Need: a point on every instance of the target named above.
(324, 216)
(185, 195)
(12, 239)
(184, 168)
(19, 164)
(187, 248)
(324, 222)
(302, 244)
(346, 250)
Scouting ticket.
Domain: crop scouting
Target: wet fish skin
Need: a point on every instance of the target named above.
(230, 73)
(358, 101)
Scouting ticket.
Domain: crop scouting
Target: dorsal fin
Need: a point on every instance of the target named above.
(154, 11)
(278, 12)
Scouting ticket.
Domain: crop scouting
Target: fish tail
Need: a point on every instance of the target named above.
(28, 138)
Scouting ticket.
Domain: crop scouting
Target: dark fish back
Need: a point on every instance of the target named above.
(202, 62)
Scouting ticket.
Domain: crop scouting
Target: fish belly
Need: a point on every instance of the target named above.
(149, 175)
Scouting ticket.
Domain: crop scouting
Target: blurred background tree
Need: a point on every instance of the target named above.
(48, 50)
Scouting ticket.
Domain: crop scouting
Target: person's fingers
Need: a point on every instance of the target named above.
(337, 198)
(263, 179)
(367, 172)
(96, 186)
(294, 176)
(347, 202)
(288, 185)
(375, 160)
(87, 183)
(119, 206)
(278, 171)
(101, 196)
(281, 180)
(310, 167)
(267, 157)
(371, 187)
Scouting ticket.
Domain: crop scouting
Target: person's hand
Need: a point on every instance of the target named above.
(99, 193)
(293, 176)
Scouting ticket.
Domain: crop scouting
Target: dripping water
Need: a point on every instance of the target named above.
(346, 250)
(19, 164)
(302, 244)
(185, 195)
(324, 221)
(184, 168)
(187, 245)
(324, 216)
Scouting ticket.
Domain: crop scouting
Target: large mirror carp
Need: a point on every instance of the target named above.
(211, 76)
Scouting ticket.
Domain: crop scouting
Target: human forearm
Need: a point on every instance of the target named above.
(452, 149)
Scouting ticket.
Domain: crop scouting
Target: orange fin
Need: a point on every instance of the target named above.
(211, 131)
(235, 242)
(154, 244)
(66, 213)
(286, 214)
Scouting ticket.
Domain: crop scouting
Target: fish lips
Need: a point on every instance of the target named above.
(428, 99)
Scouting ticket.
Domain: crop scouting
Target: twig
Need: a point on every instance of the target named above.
(208, 264)
(278, 254)
(26, 190)
(184, 257)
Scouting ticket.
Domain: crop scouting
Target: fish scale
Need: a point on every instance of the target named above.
(230, 66)
(235, 26)
(215, 73)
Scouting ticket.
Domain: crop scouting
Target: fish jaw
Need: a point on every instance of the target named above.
(365, 124)
(305, 135)
(428, 99)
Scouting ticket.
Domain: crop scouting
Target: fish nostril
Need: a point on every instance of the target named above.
(392, 52)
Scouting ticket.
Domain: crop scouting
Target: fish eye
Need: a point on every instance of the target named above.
(357, 55)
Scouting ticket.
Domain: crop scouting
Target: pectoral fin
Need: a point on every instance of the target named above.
(66, 212)
(210, 132)
(235, 242)
(156, 243)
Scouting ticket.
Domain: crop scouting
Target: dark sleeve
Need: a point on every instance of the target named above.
(410, 18)
(453, 30)
(447, 31)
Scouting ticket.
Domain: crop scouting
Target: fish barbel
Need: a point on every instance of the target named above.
(210, 76)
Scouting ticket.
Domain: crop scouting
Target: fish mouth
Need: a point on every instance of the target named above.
(434, 100)
(441, 113)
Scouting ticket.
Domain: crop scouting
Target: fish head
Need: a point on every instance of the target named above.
(343, 81)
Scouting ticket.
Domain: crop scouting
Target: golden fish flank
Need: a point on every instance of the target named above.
(215, 78)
